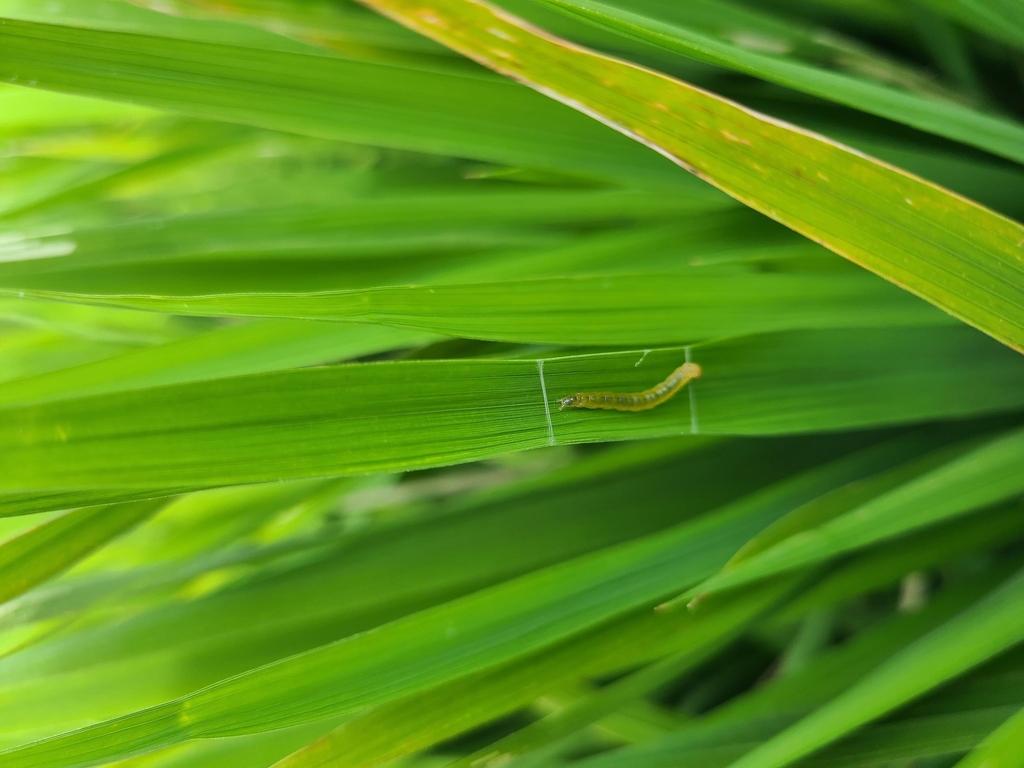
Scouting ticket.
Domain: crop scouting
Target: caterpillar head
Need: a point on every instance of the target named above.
(692, 370)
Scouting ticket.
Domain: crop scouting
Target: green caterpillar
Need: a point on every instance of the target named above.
(635, 401)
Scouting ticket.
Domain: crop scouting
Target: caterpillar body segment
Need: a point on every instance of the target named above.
(635, 401)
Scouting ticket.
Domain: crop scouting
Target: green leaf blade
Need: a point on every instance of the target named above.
(984, 476)
(997, 135)
(993, 625)
(371, 417)
(950, 251)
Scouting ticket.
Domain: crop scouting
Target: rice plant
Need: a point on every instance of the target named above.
(520, 383)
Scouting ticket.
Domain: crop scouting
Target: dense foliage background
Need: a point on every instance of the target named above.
(290, 291)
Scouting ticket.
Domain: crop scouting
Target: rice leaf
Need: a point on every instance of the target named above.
(944, 118)
(984, 630)
(984, 476)
(954, 253)
(390, 415)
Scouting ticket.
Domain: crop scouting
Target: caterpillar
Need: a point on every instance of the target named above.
(635, 401)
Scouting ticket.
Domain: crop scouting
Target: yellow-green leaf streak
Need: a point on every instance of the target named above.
(947, 249)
